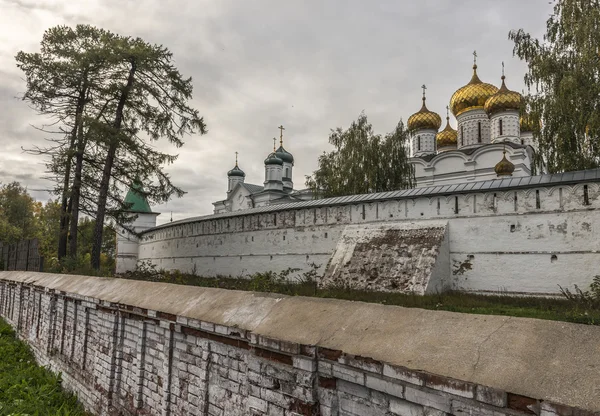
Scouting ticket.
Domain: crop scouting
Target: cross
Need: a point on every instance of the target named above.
(447, 112)
(281, 129)
(474, 57)
(424, 88)
(236, 155)
(502, 69)
(274, 141)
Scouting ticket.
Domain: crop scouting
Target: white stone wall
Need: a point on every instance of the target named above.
(468, 130)
(496, 243)
(427, 141)
(511, 130)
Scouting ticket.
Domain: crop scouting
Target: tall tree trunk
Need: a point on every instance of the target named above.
(65, 213)
(76, 194)
(106, 173)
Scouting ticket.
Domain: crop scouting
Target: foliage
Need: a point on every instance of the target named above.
(531, 307)
(363, 162)
(21, 217)
(591, 297)
(564, 74)
(48, 229)
(17, 210)
(26, 388)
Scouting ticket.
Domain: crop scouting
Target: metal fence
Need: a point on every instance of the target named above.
(24, 255)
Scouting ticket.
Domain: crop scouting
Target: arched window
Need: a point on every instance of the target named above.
(287, 172)
(479, 131)
(418, 142)
(500, 126)
(462, 135)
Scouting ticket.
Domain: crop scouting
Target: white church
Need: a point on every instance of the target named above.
(492, 140)
(277, 188)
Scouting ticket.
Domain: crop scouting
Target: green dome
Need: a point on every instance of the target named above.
(135, 199)
(236, 171)
(273, 159)
(284, 155)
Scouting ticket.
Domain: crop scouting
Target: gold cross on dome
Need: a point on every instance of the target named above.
(447, 112)
(281, 129)
(474, 57)
(502, 68)
(424, 88)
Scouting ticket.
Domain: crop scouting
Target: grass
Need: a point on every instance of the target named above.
(25, 387)
(574, 308)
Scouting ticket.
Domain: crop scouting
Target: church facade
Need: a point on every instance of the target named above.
(277, 188)
(484, 217)
(492, 139)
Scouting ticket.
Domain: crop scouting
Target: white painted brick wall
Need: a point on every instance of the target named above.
(135, 363)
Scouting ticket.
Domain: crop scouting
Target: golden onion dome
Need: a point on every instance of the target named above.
(424, 119)
(503, 100)
(526, 123)
(447, 137)
(471, 96)
(504, 167)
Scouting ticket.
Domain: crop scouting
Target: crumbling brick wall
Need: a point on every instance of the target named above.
(123, 359)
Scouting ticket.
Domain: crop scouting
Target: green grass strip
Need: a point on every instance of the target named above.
(25, 387)
(578, 309)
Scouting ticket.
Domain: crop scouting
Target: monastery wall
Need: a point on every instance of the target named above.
(139, 348)
(518, 241)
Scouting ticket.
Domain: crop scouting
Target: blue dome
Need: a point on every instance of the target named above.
(236, 171)
(284, 155)
(273, 159)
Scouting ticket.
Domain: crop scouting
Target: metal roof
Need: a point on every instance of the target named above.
(566, 178)
(252, 188)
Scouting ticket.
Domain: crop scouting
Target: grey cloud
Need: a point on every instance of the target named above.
(310, 65)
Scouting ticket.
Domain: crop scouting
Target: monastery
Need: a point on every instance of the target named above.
(484, 217)
(492, 140)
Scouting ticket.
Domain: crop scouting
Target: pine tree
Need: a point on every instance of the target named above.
(151, 99)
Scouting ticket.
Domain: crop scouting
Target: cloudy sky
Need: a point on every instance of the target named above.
(310, 65)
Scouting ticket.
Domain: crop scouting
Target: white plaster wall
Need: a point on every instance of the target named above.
(512, 240)
(527, 139)
(456, 167)
(468, 133)
(128, 244)
(233, 181)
